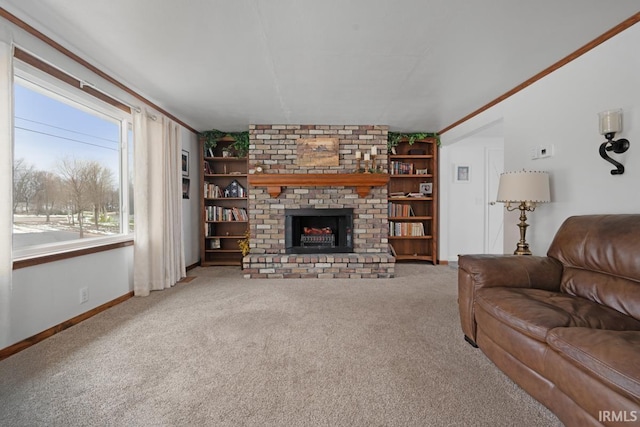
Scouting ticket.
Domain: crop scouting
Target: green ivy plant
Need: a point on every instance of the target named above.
(240, 143)
(393, 138)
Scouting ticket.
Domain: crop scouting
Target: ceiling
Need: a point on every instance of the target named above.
(415, 65)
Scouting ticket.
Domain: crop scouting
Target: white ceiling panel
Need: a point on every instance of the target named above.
(413, 65)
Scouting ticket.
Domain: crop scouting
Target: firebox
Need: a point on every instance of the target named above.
(317, 231)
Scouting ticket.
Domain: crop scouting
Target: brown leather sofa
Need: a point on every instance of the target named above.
(565, 327)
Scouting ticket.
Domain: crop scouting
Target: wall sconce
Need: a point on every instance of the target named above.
(610, 124)
(526, 188)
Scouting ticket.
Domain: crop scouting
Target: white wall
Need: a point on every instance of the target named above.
(48, 294)
(191, 206)
(464, 206)
(561, 109)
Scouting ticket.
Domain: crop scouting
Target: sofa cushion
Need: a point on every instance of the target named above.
(534, 312)
(609, 356)
(600, 258)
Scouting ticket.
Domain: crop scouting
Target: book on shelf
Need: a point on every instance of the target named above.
(212, 191)
(400, 209)
(402, 229)
(207, 168)
(397, 194)
(220, 213)
(401, 168)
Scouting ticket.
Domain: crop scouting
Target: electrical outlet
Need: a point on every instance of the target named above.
(84, 295)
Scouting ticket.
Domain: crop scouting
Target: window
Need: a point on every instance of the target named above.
(72, 167)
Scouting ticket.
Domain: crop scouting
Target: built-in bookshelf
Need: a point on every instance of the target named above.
(225, 218)
(413, 201)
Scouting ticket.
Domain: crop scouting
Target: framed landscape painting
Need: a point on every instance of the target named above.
(317, 152)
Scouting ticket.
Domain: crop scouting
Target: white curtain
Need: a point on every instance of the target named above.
(6, 188)
(157, 191)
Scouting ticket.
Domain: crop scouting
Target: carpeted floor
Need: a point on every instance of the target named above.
(224, 351)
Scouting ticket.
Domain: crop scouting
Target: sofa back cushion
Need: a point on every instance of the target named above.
(601, 259)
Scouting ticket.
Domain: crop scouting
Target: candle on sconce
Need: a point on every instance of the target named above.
(610, 121)
(374, 151)
(358, 155)
(366, 157)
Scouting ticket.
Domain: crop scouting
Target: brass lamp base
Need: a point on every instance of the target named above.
(523, 247)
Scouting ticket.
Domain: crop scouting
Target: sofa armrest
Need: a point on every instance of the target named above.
(482, 271)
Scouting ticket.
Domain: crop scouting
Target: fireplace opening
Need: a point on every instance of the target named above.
(313, 231)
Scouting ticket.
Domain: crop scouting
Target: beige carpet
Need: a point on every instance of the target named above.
(223, 350)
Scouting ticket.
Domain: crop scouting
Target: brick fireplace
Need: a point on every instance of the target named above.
(275, 148)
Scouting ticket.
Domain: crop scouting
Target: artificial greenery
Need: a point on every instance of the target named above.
(243, 244)
(394, 138)
(240, 143)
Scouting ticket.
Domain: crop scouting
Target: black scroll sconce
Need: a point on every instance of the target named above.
(610, 124)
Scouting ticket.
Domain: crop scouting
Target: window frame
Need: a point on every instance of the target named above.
(38, 80)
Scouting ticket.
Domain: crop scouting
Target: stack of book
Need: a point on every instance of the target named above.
(400, 209)
(219, 213)
(406, 228)
(212, 191)
(401, 168)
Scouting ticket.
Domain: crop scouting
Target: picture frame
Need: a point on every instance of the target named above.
(186, 183)
(318, 151)
(462, 173)
(426, 188)
(185, 163)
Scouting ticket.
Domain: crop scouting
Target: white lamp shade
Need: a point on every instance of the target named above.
(524, 186)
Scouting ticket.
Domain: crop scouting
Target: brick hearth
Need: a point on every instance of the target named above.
(274, 146)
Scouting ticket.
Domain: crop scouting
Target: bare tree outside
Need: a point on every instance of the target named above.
(99, 185)
(75, 179)
(49, 193)
(24, 185)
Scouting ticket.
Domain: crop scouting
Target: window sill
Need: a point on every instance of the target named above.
(30, 259)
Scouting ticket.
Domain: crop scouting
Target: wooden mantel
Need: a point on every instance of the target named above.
(362, 181)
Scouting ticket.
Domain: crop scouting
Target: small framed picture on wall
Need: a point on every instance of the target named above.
(185, 163)
(186, 183)
(462, 173)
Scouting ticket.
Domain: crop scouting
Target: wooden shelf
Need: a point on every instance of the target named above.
(424, 209)
(408, 199)
(410, 218)
(276, 181)
(410, 175)
(409, 156)
(227, 159)
(221, 262)
(414, 258)
(225, 234)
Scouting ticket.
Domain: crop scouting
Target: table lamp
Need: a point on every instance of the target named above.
(525, 189)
